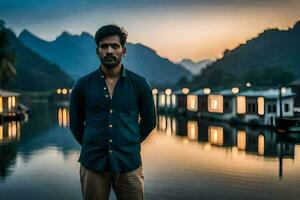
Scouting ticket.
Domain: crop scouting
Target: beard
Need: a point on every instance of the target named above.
(110, 61)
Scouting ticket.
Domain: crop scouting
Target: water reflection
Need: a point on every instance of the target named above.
(43, 130)
(192, 156)
(63, 116)
(216, 135)
(241, 140)
(260, 142)
(192, 130)
(10, 131)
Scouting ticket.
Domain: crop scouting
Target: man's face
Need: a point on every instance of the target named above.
(110, 51)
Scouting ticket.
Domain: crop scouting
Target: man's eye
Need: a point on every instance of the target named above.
(115, 46)
(104, 46)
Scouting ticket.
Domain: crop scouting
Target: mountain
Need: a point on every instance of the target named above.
(34, 73)
(270, 59)
(195, 67)
(76, 54)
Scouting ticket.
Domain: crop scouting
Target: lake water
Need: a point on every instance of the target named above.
(182, 159)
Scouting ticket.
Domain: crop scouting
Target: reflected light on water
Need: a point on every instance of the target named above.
(162, 100)
(10, 131)
(261, 144)
(168, 100)
(169, 127)
(174, 125)
(241, 140)
(185, 140)
(215, 135)
(162, 122)
(192, 130)
(63, 117)
(174, 101)
(206, 146)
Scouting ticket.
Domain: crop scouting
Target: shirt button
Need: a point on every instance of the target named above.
(102, 76)
(110, 110)
(110, 140)
(104, 88)
(110, 126)
(110, 151)
(106, 95)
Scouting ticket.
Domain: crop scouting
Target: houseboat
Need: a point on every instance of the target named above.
(10, 108)
(260, 106)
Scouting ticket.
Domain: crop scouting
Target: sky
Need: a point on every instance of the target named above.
(193, 29)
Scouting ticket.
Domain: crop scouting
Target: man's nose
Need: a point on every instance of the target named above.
(109, 50)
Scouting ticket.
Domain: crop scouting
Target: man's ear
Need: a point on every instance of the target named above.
(124, 51)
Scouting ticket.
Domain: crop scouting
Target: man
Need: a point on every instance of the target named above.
(111, 114)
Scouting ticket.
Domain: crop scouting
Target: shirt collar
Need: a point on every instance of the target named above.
(123, 71)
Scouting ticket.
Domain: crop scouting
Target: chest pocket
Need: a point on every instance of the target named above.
(126, 101)
(95, 103)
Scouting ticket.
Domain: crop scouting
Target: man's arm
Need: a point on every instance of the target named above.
(77, 106)
(146, 110)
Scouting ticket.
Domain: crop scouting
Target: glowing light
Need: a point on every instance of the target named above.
(162, 122)
(283, 90)
(241, 104)
(206, 90)
(58, 91)
(192, 102)
(169, 127)
(174, 102)
(192, 130)
(215, 103)
(64, 91)
(248, 84)
(185, 90)
(235, 90)
(261, 145)
(215, 135)
(13, 101)
(241, 140)
(261, 105)
(63, 117)
(9, 103)
(155, 91)
(168, 100)
(168, 91)
(174, 125)
(162, 100)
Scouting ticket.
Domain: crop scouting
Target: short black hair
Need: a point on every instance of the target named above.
(110, 30)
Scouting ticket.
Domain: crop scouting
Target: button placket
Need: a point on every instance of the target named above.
(110, 117)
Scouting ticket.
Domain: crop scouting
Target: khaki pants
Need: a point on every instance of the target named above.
(97, 185)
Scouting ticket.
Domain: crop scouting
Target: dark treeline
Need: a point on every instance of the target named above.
(26, 70)
(270, 59)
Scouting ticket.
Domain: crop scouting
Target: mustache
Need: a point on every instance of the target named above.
(109, 56)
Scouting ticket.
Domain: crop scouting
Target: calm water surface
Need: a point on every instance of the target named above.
(182, 159)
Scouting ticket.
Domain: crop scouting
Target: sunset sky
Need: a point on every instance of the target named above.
(175, 29)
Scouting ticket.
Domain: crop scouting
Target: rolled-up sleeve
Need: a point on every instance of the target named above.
(77, 113)
(146, 110)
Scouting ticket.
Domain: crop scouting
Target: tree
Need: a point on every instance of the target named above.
(7, 57)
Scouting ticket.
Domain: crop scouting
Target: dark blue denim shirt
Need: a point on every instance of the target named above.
(110, 130)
